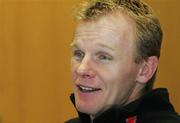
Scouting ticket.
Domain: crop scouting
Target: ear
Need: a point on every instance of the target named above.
(147, 69)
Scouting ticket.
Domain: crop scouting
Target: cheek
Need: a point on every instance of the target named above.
(112, 72)
(119, 75)
(109, 75)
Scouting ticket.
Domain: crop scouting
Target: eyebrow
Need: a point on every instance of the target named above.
(73, 44)
(106, 46)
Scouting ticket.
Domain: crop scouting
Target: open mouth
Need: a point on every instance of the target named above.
(87, 89)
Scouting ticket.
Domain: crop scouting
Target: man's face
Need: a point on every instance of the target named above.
(103, 68)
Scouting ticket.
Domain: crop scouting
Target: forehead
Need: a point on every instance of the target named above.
(116, 27)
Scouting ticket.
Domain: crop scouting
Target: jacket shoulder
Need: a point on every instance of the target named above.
(73, 120)
(161, 117)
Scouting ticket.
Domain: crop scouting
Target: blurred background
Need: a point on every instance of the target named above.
(35, 79)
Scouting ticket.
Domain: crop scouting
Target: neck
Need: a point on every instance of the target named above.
(136, 93)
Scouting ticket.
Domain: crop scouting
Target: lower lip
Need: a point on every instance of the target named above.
(88, 95)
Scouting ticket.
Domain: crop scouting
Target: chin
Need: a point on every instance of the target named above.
(86, 108)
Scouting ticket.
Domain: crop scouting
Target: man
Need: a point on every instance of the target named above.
(115, 55)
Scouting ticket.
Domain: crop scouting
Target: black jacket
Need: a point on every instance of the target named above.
(153, 107)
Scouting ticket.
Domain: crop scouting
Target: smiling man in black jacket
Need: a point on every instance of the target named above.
(115, 55)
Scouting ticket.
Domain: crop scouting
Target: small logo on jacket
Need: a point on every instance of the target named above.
(131, 119)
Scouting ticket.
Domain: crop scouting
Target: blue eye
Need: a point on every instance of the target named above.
(105, 57)
(78, 55)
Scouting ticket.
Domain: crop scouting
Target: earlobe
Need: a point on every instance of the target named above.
(147, 69)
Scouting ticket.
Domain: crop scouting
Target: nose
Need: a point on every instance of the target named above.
(85, 69)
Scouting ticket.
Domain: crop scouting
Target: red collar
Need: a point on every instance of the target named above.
(131, 119)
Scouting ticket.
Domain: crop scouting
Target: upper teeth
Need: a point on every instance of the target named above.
(86, 88)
